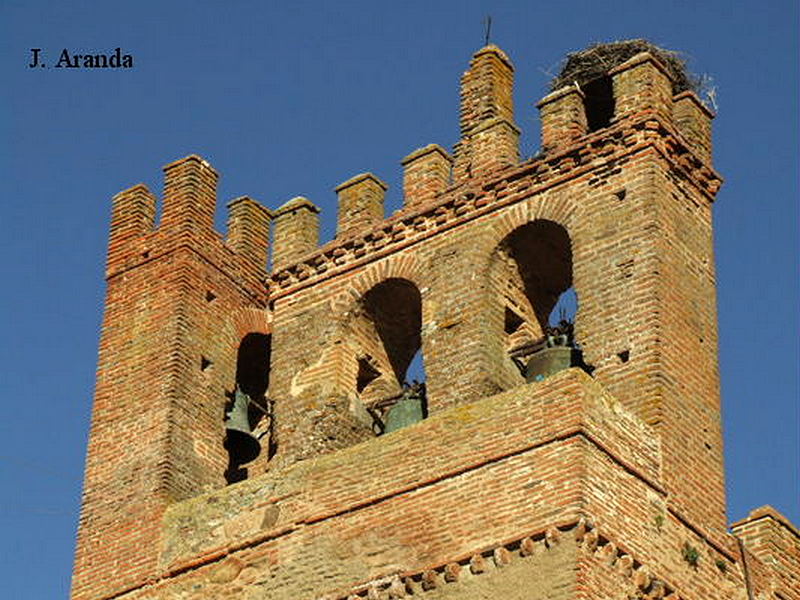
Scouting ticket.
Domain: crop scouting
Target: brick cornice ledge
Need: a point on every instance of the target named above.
(497, 556)
(456, 206)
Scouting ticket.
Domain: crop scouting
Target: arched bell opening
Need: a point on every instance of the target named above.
(391, 374)
(248, 412)
(532, 268)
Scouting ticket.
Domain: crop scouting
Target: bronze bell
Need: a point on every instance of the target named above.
(409, 410)
(559, 352)
(551, 360)
(240, 442)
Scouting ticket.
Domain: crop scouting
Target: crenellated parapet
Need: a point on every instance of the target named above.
(190, 196)
(445, 209)
(133, 213)
(693, 119)
(563, 117)
(176, 293)
(770, 544)
(187, 221)
(639, 86)
(641, 89)
(426, 174)
(360, 203)
(248, 231)
(296, 231)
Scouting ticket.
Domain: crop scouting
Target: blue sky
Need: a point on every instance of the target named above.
(292, 98)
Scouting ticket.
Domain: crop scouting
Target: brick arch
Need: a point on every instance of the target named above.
(556, 207)
(246, 320)
(398, 266)
(250, 320)
(347, 312)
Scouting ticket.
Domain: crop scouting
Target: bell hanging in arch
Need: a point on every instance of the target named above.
(240, 442)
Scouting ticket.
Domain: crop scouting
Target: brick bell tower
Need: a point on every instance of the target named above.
(598, 478)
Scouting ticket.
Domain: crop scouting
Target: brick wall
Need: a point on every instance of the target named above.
(174, 306)
(517, 490)
(772, 547)
(576, 487)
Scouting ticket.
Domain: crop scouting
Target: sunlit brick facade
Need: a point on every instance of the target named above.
(605, 482)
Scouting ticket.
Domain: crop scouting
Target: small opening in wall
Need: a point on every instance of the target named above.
(367, 373)
(621, 194)
(210, 296)
(624, 356)
(391, 367)
(205, 363)
(513, 321)
(599, 103)
(146, 254)
(248, 411)
(271, 305)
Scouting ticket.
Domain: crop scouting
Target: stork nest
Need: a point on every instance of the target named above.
(597, 60)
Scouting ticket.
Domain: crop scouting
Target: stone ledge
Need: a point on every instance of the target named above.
(498, 428)
(767, 512)
(424, 151)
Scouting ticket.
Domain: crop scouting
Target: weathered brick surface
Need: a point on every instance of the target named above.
(772, 545)
(296, 231)
(360, 202)
(167, 357)
(489, 136)
(580, 486)
(426, 174)
(563, 118)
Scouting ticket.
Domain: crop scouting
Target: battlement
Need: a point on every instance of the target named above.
(430, 212)
(770, 544)
(639, 106)
(636, 91)
(639, 85)
(187, 220)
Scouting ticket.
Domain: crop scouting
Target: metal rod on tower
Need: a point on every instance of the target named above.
(488, 21)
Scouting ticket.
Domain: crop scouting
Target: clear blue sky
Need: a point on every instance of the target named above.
(292, 98)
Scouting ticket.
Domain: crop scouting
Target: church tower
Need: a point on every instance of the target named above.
(254, 434)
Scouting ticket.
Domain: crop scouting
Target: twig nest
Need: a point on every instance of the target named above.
(597, 60)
